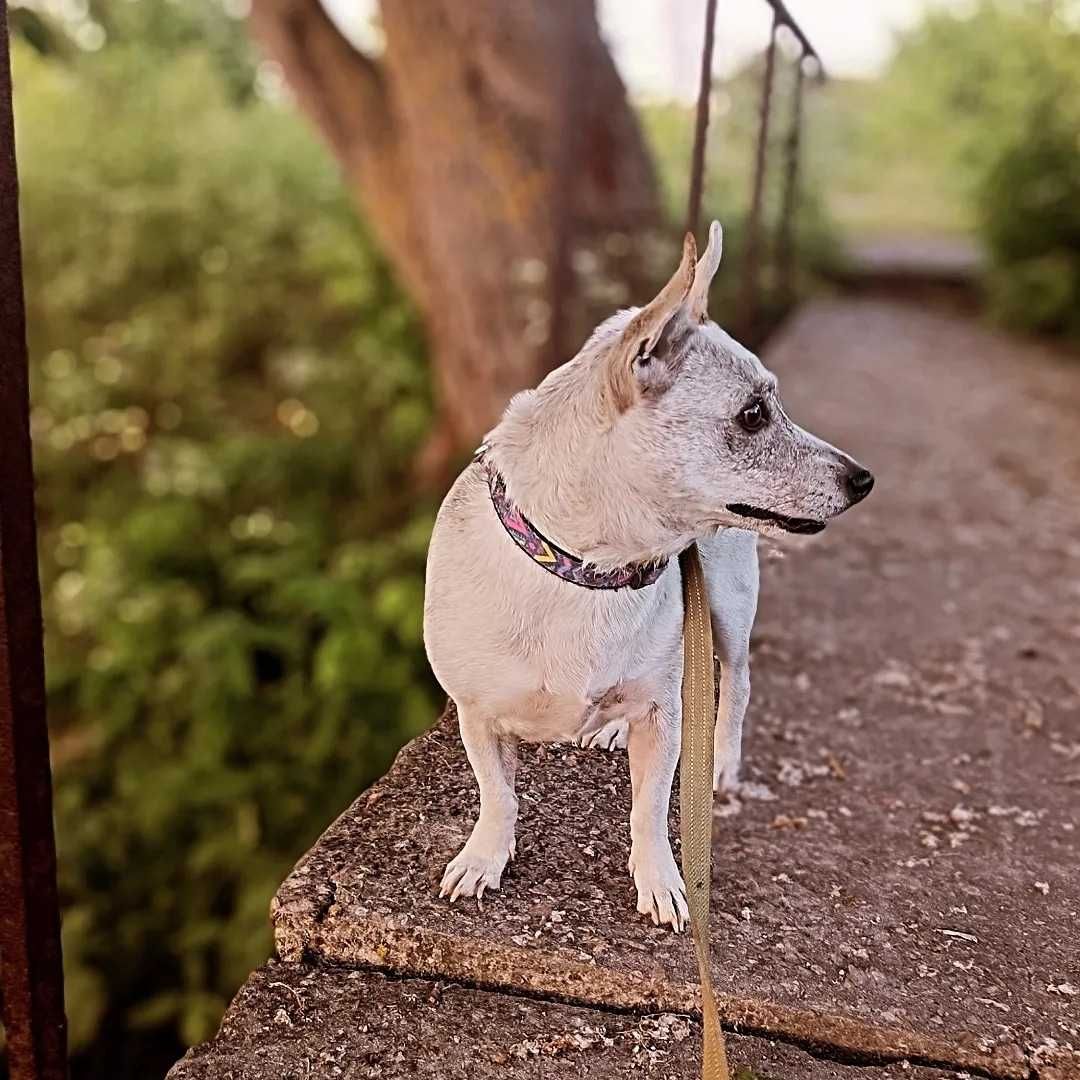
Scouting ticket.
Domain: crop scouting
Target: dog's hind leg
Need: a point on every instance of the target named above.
(607, 722)
(612, 736)
(730, 713)
(493, 757)
(731, 567)
(653, 747)
(608, 730)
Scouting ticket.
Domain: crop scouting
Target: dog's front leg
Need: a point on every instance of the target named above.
(480, 863)
(653, 747)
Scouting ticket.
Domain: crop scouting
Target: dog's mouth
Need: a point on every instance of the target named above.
(803, 526)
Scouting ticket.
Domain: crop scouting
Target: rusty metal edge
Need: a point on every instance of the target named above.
(750, 291)
(31, 972)
(701, 122)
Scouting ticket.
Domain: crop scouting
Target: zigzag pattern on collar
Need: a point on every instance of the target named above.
(553, 558)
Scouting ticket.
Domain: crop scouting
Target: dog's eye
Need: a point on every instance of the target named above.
(754, 417)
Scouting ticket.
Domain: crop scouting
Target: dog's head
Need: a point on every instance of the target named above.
(701, 415)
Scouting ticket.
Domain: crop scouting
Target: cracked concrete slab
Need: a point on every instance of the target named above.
(899, 879)
(292, 1020)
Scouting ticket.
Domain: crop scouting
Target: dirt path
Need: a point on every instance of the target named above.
(917, 704)
(926, 257)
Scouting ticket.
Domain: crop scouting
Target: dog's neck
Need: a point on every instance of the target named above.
(573, 472)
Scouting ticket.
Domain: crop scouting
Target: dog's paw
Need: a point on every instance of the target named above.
(726, 763)
(661, 893)
(472, 871)
(725, 779)
(612, 736)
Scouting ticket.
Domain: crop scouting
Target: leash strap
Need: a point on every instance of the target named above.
(696, 793)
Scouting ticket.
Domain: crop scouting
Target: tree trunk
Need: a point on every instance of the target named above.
(490, 139)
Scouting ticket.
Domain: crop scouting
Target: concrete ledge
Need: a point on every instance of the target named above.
(564, 927)
(291, 1020)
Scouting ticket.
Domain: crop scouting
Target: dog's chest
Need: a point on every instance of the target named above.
(592, 656)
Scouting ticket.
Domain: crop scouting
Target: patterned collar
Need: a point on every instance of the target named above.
(550, 556)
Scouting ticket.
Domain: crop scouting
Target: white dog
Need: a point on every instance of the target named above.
(554, 606)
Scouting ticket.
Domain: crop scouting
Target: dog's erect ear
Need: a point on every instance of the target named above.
(698, 299)
(640, 337)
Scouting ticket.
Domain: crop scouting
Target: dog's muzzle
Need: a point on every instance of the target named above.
(858, 483)
(803, 526)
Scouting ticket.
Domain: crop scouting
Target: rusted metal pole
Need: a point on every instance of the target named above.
(701, 127)
(786, 228)
(31, 975)
(752, 253)
(561, 280)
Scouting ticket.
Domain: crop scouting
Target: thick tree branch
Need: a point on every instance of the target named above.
(458, 143)
(334, 83)
(345, 94)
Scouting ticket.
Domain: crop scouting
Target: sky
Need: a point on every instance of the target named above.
(657, 43)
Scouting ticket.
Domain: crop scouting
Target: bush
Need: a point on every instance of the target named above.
(227, 392)
(998, 93)
(1030, 213)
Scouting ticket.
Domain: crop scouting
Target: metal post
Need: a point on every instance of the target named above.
(565, 194)
(31, 974)
(751, 258)
(697, 165)
(786, 230)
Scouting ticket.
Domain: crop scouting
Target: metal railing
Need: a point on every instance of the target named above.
(571, 89)
(806, 57)
(807, 62)
(31, 976)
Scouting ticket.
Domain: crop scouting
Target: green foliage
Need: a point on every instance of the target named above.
(882, 174)
(993, 97)
(159, 28)
(228, 390)
(1029, 203)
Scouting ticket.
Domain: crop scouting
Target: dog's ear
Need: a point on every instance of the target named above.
(639, 341)
(698, 300)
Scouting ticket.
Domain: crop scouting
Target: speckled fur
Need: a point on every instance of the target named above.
(627, 453)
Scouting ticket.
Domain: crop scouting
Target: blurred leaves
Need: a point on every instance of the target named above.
(993, 94)
(227, 391)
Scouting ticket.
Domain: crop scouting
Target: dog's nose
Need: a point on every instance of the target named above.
(859, 482)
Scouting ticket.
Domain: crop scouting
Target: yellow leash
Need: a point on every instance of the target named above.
(696, 794)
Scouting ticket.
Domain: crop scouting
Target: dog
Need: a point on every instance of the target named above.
(553, 604)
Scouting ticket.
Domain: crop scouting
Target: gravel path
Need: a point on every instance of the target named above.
(918, 684)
